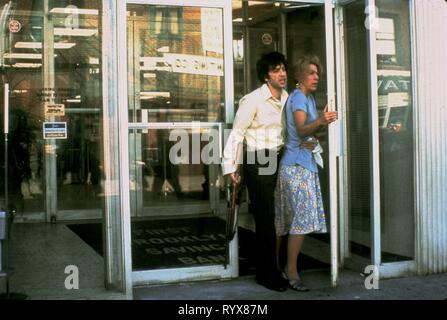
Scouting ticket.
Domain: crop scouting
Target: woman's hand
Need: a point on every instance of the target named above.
(327, 117)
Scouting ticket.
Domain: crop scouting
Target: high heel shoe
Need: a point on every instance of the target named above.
(295, 283)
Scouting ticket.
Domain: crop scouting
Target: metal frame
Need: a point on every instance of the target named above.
(305, 1)
(117, 256)
(374, 146)
(173, 125)
(342, 150)
(50, 166)
(333, 131)
(228, 60)
(419, 245)
(182, 274)
(5, 150)
(193, 273)
(181, 125)
(123, 138)
(283, 33)
(247, 54)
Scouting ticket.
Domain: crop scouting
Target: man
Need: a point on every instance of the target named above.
(258, 124)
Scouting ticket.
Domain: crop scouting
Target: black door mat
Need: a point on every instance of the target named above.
(162, 244)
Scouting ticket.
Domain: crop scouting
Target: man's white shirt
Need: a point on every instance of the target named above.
(259, 120)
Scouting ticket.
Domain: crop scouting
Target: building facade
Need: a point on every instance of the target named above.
(115, 115)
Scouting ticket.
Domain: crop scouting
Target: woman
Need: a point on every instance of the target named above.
(298, 202)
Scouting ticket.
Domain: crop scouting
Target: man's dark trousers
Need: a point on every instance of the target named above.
(261, 192)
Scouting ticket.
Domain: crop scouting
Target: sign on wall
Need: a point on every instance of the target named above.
(55, 130)
(57, 110)
(212, 30)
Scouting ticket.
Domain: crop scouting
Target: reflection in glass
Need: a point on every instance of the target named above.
(396, 130)
(238, 64)
(237, 11)
(259, 9)
(358, 137)
(178, 68)
(176, 164)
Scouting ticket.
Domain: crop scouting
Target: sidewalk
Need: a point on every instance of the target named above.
(350, 287)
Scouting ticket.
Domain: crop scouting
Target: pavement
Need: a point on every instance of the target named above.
(351, 286)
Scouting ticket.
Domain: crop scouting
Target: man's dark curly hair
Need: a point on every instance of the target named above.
(268, 62)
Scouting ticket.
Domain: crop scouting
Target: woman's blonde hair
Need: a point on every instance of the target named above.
(301, 66)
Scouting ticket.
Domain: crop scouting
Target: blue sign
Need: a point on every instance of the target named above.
(55, 130)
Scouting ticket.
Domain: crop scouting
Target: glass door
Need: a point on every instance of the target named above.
(375, 59)
(179, 96)
(48, 60)
(356, 216)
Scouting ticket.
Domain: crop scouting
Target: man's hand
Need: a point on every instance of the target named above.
(234, 178)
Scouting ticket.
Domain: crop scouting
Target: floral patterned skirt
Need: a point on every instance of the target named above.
(298, 202)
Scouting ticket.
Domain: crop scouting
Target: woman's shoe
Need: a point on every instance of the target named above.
(295, 283)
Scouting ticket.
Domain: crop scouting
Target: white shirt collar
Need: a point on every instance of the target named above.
(267, 94)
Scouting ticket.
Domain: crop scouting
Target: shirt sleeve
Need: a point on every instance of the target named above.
(299, 103)
(243, 119)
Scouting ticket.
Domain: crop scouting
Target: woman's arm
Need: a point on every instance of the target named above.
(309, 129)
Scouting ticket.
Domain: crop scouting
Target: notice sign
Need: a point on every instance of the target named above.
(55, 130)
(15, 26)
(212, 35)
(55, 110)
(185, 63)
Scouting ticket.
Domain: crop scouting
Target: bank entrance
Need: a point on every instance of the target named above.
(115, 134)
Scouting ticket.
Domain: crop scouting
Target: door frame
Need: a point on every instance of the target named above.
(189, 273)
(333, 139)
